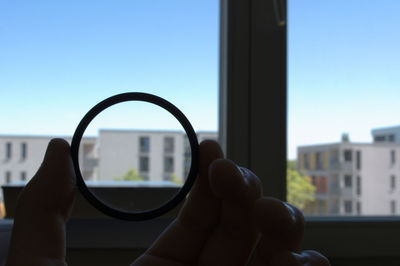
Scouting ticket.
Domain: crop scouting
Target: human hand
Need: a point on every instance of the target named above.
(225, 219)
(220, 223)
(43, 208)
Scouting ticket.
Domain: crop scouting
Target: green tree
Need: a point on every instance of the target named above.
(292, 164)
(300, 190)
(175, 179)
(131, 175)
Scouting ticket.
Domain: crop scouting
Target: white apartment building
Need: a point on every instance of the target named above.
(155, 155)
(355, 178)
(387, 134)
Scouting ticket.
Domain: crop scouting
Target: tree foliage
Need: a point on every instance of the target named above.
(175, 180)
(131, 175)
(300, 190)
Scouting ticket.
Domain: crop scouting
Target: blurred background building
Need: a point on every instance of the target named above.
(354, 178)
(154, 155)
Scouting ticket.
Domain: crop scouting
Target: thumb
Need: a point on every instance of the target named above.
(38, 235)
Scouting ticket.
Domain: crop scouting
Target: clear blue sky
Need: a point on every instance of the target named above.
(59, 58)
(344, 69)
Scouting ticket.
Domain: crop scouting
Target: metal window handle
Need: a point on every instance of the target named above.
(280, 12)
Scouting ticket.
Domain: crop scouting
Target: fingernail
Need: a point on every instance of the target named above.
(291, 211)
(286, 258)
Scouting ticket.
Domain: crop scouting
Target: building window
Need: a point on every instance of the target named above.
(379, 138)
(348, 207)
(143, 164)
(168, 164)
(322, 207)
(358, 206)
(314, 180)
(348, 181)
(187, 164)
(334, 184)
(358, 160)
(8, 150)
(393, 207)
(322, 184)
(168, 144)
(392, 156)
(347, 156)
(23, 150)
(188, 149)
(358, 189)
(144, 144)
(334, 156)
(392, 182)
(8, 177)
(318, 156)
(306, 161)
(23, 176)
(391, 138)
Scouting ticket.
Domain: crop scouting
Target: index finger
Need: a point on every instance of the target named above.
(281, 226)
(196, 219)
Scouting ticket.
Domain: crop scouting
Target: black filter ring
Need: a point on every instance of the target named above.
(145, 97)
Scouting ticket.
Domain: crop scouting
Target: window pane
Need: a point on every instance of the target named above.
(144, 144)
(343, 93)
(168, 144)
(80, 53)
(23, 150)
(8, 150)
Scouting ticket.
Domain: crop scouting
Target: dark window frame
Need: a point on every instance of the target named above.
(8, 150)
(169, 144)
(168, 164)
(24, 150)
(144, 164)
(347, 155)
(23, 176)
(348, 181)
(392, 182)
(8, 177)
(358, 185)
(392, 157)
(144, 144)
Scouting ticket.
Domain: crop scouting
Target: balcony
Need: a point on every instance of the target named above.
(347, 166)
(89, 164)
(334, 165)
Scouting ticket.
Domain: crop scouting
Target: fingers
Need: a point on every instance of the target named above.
(216, 225)
(234, 184)
(43, 208)
(305, 258)
(185, 237)
(201, 208)
(235, 234)
(281, 226)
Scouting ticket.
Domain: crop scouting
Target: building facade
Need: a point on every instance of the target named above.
(155, 155)
(355, 178)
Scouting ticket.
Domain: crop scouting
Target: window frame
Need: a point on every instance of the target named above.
(8, 150)
(144, 164)
(24, 150)
(248, 109)
(253, 120)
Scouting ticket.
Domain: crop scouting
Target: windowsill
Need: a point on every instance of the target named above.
(355, 235)
(366, 236)
(369, 236)
(141, 195)
(112, 233)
